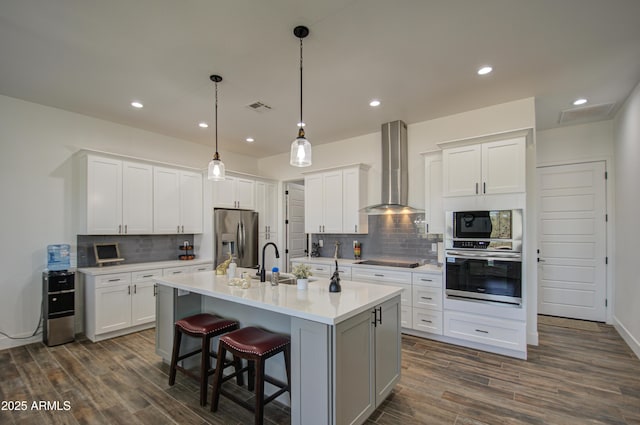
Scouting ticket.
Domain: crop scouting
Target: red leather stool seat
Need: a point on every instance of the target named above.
(205, 323)
(255, 345)
(255, 341)
(205, 327)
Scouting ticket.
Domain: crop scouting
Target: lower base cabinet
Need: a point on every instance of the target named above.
(119, 303)
(493, 331)
(368, 363)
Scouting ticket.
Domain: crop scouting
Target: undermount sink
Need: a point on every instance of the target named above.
(285, 278)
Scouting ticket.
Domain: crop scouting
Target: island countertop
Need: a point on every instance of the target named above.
(315, 303)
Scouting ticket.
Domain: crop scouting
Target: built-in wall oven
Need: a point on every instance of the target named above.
(483, 256)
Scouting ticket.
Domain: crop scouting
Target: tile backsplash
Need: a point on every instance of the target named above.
(400, 236)
(133, 248)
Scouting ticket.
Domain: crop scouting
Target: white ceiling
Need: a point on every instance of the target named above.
(419, 57)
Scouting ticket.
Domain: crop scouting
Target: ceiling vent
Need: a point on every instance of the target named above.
(586, 114)
(259, 106)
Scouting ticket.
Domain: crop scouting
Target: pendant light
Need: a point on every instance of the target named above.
(216, 166)
(300, 148)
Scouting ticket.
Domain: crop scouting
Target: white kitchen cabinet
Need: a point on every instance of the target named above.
(400, 279)
(266, 201)
(234, 192)
(270, 254)
(317, 269)
(484, 168)
(492, 331)
(368, 361)
(333, 200)
(177, 201)
(354, 198)
(427, 302)
(434, 210)
(114, 197)
(118, 303)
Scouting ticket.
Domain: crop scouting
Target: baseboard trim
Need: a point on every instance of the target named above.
(631, 341)
(6, 343)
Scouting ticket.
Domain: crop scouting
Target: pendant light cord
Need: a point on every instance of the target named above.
(301, 122)
(216, 114)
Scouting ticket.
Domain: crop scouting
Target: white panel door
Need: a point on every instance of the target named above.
(104, 196)
(332, 195)
(296, 236)
(137, 198)
(190, 202)
(166, 200)
(313, 203)
(503, 165)
(434, 209)
(461, 170)
(572, 241)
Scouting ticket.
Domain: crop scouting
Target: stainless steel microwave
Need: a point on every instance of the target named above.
(486, 229)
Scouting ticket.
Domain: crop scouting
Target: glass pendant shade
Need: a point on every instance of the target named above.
(216, 169)
(300, 151)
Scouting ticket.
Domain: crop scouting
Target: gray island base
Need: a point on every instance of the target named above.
(345, 346)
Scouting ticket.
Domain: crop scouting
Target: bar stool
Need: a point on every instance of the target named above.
(254, 345)
(203, 326)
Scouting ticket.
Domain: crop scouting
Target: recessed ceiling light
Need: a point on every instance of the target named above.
(485, 70)
(580, 101)
(301, 124)
(374, 102)
(136, 104)
(249, 139)
(203, 125)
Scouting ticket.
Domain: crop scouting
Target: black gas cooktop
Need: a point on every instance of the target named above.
(388, 263)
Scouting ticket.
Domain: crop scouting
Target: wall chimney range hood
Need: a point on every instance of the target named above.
(395, 175)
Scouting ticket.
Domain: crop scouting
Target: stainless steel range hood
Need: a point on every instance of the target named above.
(395, 175)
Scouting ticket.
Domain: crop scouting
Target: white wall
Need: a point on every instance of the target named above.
(585, 142)
(627, 173)
(36, 145)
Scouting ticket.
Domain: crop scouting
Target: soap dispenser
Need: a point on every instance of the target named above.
(231, 270)
(334, 286)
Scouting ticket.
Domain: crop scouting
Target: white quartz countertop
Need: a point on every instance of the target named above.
(315, 303)
(124, 268)
(351, 262)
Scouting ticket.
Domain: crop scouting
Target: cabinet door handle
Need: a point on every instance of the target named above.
(178, 228)
(126, 228)
(356, 227)
(378, 275)
(147, 275)
(426, 321)
(426, 280)
(426, 298)
(178, 272)
(114, 280)
(119, 228)
(129, 290)
(183, 228)
(476, 188)
(377, 316)
(135, 288)
(484, 187)
(482, 331)
(155, 289)
(427, 228)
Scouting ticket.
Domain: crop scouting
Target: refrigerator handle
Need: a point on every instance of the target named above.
(244, 238)
(238, 242)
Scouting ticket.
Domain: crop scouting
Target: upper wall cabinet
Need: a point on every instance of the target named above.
(333, 199)
(485, 168)
(177, 201)
(267, 208)
(434, 210)
(114, 196)
(234, 192)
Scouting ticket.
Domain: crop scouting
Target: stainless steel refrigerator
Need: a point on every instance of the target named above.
(236, 231)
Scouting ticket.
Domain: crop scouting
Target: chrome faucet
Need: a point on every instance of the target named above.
(263, 272)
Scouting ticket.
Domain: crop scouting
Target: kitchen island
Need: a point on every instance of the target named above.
(345, 347)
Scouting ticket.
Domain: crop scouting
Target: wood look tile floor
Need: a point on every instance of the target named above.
(573, 377)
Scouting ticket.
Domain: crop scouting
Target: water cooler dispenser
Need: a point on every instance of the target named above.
(58, 296)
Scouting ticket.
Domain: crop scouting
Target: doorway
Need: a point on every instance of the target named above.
(295, 236)
(572, 241)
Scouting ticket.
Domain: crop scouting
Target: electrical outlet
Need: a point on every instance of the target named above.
(320, 243)
(434, 247)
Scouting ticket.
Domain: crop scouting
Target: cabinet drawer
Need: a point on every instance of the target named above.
(113, 279)
(146, 275)
(172, 271)
(426, 320)
(320, 270)
(405, 316)
(380, 275)
(510, 334)
(427, 279)
(427, 297)
(201, 268)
